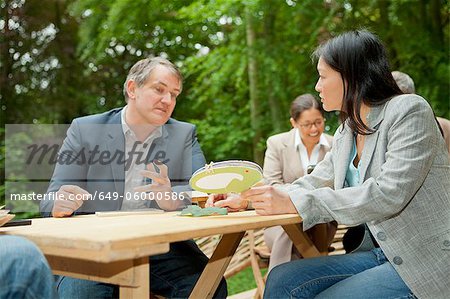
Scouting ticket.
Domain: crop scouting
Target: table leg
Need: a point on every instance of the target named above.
(301, 241)
(212, 274)
(141, 274)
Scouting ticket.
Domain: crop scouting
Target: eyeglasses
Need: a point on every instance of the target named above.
(317, 123)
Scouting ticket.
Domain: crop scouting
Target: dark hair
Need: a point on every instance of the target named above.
(304, 102)
(361, 59)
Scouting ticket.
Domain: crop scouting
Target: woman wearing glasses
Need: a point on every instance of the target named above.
(291, 155)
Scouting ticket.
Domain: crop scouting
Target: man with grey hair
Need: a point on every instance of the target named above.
(137, 157)
(404, 82)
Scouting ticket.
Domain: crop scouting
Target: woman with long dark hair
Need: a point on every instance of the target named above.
(388, 168)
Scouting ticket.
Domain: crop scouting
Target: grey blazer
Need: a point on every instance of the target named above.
(404, 197)
(90, 137)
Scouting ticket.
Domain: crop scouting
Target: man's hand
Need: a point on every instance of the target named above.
(160, 181)
(233, 202)
(267, 200)
(160, 184)
(69, 198)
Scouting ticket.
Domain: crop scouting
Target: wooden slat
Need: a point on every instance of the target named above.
(260, 284)
(337, 241)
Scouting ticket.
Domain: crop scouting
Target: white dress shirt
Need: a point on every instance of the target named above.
(139, 151)
(301, 148)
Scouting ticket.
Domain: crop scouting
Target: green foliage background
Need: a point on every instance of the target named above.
(243, 61)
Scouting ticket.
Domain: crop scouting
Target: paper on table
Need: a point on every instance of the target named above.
(4, 216)
(127, 213)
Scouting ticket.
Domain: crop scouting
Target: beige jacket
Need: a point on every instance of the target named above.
(282, 165)
(282, 162)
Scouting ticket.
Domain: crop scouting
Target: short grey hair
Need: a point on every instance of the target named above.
(142, 69)
(404, 82)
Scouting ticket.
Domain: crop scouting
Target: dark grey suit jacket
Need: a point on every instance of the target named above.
(93, 157)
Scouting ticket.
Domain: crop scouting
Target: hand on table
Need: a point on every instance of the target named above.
(69, 198)
(233, 202)
(268, 200)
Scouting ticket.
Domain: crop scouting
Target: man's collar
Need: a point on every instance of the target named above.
(125, 126)
(127, 130)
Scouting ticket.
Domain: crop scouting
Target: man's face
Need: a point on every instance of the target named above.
(153, 102)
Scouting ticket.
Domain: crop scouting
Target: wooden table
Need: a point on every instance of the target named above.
(116, 249)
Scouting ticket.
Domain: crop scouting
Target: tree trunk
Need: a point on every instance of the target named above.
(436, 22)
(424, 14)
(253, 88)
(385, 28)
(274, 102)
(6, 79)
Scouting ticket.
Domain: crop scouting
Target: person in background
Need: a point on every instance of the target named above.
(406, 84)
(24, 271)
(149, 154)
(291, 155)
(445, 126)
(388, 168)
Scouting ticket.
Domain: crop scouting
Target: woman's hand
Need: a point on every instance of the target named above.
(267, 200)
(233, 202)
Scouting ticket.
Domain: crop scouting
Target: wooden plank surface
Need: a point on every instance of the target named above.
(125, 237)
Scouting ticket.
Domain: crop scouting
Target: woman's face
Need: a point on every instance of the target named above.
(329, 86)
(310, 124)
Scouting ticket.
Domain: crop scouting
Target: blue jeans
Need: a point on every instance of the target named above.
(172, 275)
(24, 272)
(357, 275)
